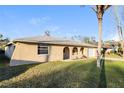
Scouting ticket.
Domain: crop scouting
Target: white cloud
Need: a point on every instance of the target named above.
(39, 20)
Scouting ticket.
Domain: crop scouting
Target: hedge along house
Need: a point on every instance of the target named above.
(47, 48)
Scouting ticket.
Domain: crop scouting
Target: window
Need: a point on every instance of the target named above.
(42, 49)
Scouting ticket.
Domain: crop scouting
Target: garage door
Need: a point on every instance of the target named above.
(91, 52)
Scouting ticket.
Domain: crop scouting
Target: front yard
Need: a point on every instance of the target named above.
(52, 74)
(112, 55)
(77, 74)
(114, 74)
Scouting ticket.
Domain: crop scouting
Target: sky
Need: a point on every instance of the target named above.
(61, 21)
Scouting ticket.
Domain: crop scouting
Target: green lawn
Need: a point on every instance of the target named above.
(63, 74)
(114, 74)
(112, 55)
(52, 74)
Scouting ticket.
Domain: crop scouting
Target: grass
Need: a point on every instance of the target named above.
(114, 74)
(79, 74)
(53, 74)
(112, 55)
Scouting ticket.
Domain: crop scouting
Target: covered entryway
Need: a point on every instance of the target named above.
(75, 53)
(66, 53)
(82, 50)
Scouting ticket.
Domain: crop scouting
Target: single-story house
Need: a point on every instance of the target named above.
(47, 48)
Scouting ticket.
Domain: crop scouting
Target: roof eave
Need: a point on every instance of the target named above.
(55, 44)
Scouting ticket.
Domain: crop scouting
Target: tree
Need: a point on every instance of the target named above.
(119, 27)
(100, 10)
(1, 36)
(86, 39)
(93, 40)
(120, 50)
(3, 41)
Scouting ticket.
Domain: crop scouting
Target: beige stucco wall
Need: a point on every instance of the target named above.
(95, 52)
(27, 53)
(56, 53)
(86, 52)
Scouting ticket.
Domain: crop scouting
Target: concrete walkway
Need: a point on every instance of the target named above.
(114, 59)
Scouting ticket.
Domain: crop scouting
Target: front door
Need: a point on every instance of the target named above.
(66, 54)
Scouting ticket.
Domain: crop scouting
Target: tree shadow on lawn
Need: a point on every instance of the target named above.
(9, 72)
(102, 79)
(74, 75)
(114, 76)
(4, 61)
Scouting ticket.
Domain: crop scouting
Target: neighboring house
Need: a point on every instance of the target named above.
(111, 47)
(3, 42)
(47, 48)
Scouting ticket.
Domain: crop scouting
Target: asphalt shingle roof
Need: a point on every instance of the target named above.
(52, 40)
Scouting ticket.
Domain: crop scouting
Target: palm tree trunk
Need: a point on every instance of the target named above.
(99, 35)
(99, 40)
